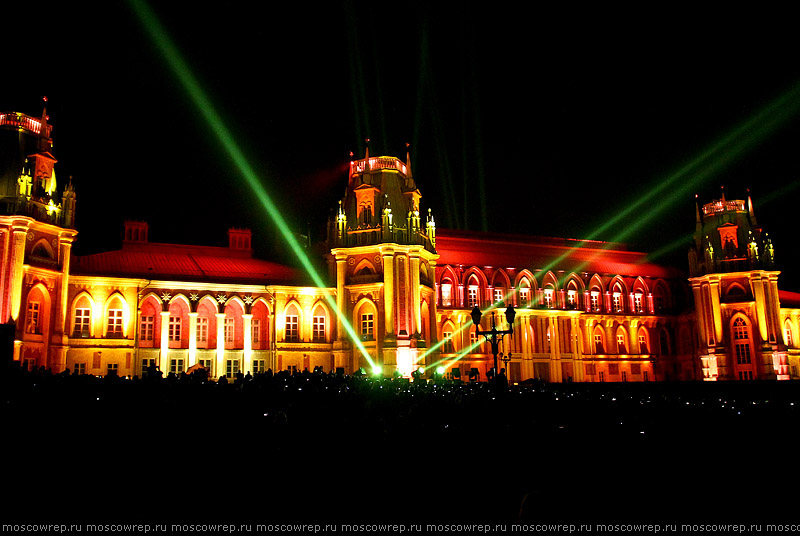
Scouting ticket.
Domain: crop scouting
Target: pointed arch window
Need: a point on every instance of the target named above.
(292, 325)
(318, 325)
(594, 298)
(82, 321)
(447, 293)
(638, 302)
(622, 345)
(643, 346)
(549, 297)
(616, 299)
(32, 318)
(472, 293)
(524, 293)
(787, 333)
(447, 342)
(741, 341)
(599, 346)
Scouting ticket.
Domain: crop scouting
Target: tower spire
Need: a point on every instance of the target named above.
(750, 209)
(408, 161)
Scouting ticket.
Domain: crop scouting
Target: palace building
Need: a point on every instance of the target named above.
(400, 295)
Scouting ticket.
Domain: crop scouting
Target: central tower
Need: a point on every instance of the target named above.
(383, 258)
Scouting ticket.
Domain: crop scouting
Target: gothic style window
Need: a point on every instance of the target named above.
(598, 342)
(147, 328)
(367, 326)
(32, 318)
(741, 341)
(595, 300)
(447, 294)
(82, 320)
(292, 333)
(638, 302)
(643, 348)
(174, 329)
(114, 326)
(447, 342)
(255, 331)
(524, 296)
(473, 342)
(472, 296)
(499, 295)
(548, 297)
(621, 347)
(318, 328)
(230, 327)
(572, 299)
(787, 330)
(202, 329)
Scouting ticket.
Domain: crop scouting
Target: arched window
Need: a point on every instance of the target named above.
(524, 293)
(115, 313)
(82, 318)
(787, 333)
(292, 324)
(599, 342)
(622, 341)
(573, 296)
(594, 299)
(319, 324)
(448, 347)
(446, 288)
(617, 295)
(644, 346)
(741, 341)
(473, 291)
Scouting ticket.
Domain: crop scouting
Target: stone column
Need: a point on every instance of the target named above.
(220, 344)
(163, 364)
(192, 339)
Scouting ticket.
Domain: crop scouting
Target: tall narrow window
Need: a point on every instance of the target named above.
(473, 342)
(741, 341)
(787, 334)
(643, 349)
(548, 298)
(447, 342)
(598, 342)
(367, 327)
(174, 329)
(595, 301)
(32, 319)
(292, 333)
(82, 320)
(616, 302)
(202, 329)
(472, 296)
(499, 295)
(230, 327)
(621, 343)
(447, 294)
(114, 323)
(318, 328)
(524, 296)
(255, 331)
(147, 328)
(572, 299)
(638, 303)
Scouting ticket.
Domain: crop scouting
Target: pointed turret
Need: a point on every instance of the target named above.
(750, 212)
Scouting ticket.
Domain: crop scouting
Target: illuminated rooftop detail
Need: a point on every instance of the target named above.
(722, 205)
(24, 122)
(377, 163)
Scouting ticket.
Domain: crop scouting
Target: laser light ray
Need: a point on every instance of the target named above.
(199, 98)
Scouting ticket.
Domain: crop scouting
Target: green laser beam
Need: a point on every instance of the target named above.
(201, 101)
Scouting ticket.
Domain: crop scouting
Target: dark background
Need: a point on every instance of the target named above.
(534, 120)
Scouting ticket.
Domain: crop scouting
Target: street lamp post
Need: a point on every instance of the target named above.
(494, 335)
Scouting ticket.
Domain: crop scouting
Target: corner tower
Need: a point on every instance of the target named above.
(735, 287)
(36, 236)
(383, 257)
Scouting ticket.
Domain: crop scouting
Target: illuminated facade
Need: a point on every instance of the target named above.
(400, 296)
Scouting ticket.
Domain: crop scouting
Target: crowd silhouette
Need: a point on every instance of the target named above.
(327, 445)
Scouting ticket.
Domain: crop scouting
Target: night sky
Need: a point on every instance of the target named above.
(537, 121)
